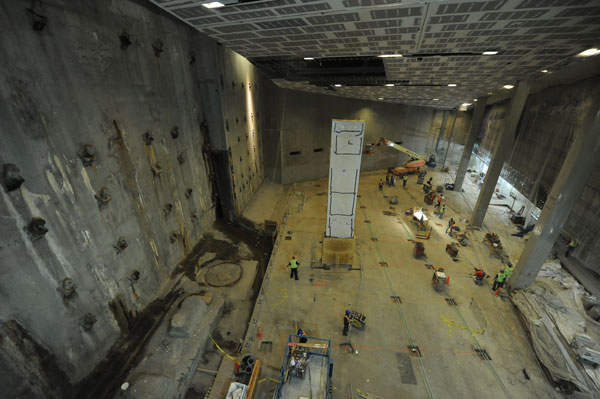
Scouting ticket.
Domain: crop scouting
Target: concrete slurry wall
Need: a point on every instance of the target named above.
(307, 123)
(547, 127)
(72, 84)
(246, 102)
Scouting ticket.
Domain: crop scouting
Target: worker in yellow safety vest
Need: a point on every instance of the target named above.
(293, 265)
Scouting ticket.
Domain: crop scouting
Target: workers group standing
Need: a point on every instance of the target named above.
(404, 180)
(294, 267)
(346, 322)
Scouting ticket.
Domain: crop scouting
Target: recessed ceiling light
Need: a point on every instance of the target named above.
(490, 52)
(508, 87)
(337, 85)
(589, 52)
(380, 98)
(214, 4)
(435, 99)
(309, 58)
(389, 85)
(451, 84)
(390, 56)
(475, 100)
(544, 71)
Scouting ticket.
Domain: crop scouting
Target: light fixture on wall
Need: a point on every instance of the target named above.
(390, 56)
(309, 58)
(435, 99)
(380, 98)
(490, 52)
(589, 52)
(389, 85)
(451, 84)
(508, 87)
(544, 71)
(214, 4)
(337, 85)
(474, 100)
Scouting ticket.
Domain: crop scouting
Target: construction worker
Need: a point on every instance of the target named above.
(508, 270)
(439, 201)
(302, 336)
(442, 210)
(451, 223)
(570, 247)
(499, 280)
(380, 185)
(387, 179)
(294, 267)
(392, 180)
(346, 322)
(404, 180)
(480, 275)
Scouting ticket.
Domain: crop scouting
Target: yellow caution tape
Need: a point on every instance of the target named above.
(283, 297)
(219, 348)
(450, 323)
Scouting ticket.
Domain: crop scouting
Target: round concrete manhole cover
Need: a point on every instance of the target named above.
(223, 274)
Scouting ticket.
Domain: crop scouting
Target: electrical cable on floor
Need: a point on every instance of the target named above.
(478, 346)
(404, 322)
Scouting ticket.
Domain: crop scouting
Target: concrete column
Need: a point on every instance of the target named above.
(442, 129)
(468, 149)
(580, 162)
(501, 153)
(450, 140)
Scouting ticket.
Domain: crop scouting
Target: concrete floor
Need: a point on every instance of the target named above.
(446, 335)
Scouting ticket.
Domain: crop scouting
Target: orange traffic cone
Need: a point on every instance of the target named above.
(497, 291)
(259, 333)
(447, 280)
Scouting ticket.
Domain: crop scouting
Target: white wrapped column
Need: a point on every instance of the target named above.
(344, 170)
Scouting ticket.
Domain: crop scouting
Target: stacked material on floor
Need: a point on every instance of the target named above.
(553, 313)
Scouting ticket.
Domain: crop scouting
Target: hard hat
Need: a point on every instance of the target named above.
(300, 332)
(348, 312)
(293, 257)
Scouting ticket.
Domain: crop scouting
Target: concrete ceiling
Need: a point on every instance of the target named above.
(441, 43)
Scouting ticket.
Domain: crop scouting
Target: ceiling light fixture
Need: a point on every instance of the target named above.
(508, 87)
(435, 99)
(490, 52)
(214, 4)
(380, 98)
(474, 100)
(589, 52)
(309, 58)
(389, 85)
(390, 56)
(337, 85)
(451, 84)
(544, 71)
(465, 104)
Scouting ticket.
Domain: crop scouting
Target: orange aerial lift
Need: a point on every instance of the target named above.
(413, 165)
